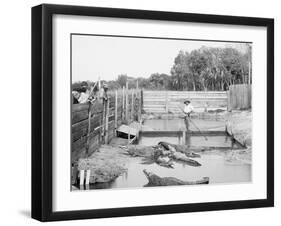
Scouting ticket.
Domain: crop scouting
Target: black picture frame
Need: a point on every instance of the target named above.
(42, 107)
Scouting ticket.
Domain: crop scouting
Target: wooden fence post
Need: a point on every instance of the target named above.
(89, 129)
(127, 102)
(141, 102)
(166, 102)
(249, 81)
(228, 100)
(100, 128)
(116, 112)
(103, 121)
(123, 103)
(243, 96)
(106, 121)
(139, 106)
(132, 106)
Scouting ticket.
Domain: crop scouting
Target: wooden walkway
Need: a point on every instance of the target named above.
(179, 133)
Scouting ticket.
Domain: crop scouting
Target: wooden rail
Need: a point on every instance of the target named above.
(169, 101)
(179, 133)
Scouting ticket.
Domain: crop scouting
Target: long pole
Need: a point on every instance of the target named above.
(198, 129)
(194, 124)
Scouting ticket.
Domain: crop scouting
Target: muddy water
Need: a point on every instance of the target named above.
(194, 141)
(216, 165)
(165, 124)
(178, 124)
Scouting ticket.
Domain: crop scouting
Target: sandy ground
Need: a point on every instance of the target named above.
(239, 125)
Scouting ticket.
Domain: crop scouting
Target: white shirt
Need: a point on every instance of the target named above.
(188, 108)
(83, 98)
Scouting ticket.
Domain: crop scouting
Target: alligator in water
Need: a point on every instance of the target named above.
(155, 180)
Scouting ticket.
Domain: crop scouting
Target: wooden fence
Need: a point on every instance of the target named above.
(239, 97)
(95, 124)
(171, 101)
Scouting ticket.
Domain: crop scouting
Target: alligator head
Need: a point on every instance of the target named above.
(147, 174)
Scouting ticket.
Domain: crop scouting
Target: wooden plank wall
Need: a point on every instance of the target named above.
(169, 101)
(239, 97)
(103, 123)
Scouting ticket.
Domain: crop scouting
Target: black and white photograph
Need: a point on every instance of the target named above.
(154, 111)
(141, 112)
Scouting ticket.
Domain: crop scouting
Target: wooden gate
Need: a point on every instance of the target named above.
(239, 97)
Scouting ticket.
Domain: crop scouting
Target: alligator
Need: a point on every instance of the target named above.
(179, 148)
(155, 180)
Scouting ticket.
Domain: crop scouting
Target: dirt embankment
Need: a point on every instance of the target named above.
(106, 164)
(239, 125)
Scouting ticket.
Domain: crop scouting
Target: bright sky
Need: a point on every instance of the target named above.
(108, 57)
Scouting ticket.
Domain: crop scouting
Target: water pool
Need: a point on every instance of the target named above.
(216, 164)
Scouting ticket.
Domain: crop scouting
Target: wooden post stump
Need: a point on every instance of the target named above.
(88, 174)
(82, 173)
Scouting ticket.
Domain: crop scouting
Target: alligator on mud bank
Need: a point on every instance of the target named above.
(164, 154)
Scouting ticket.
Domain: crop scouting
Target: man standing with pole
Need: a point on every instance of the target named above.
(188, 109)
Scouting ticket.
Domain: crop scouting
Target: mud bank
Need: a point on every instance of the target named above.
(106, 164)
(110, 162)
(239, 125)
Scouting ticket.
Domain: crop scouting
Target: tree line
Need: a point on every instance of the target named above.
(213, 69)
